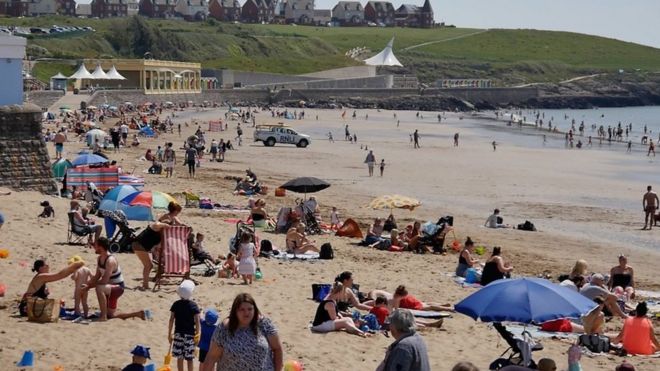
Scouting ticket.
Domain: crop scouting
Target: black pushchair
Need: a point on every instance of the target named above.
(515, 357)
(307, 216)
(241, 229)
(124, 235)
(436, 239)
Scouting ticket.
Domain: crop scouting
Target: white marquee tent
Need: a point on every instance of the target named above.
(385, 58)
(98, 73)
(112, 74)
(82, 73)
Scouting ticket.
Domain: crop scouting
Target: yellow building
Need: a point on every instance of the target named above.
(148, 75)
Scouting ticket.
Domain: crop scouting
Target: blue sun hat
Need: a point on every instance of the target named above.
(141, 351)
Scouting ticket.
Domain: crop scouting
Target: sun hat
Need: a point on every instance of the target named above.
(185, 289)
(75, 259)
(141, 351)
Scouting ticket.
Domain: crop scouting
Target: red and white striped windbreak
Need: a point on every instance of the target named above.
(174, 245)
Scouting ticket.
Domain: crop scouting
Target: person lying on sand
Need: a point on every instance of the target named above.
(402, 299)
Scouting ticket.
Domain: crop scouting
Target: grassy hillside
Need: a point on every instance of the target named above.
(506, 56)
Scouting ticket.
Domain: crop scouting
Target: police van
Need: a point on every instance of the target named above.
(270, 134)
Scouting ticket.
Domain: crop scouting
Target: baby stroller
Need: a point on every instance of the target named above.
(516, 356)
(307, 217)
(433, 235)
(241, 229)
(124, 235)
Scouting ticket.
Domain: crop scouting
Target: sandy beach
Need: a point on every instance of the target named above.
(586, 205)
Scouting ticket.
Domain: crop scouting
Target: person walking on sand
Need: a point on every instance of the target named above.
(650, 203)
(382, 166)
(456, 140)
(347, 133)
(416, 139)
(494, 146)
(651, 148)
(370, 161)
(330, 138)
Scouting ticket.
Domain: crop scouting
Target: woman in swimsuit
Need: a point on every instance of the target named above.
(622, 278)
(37, 287)
(297, 242)
(402, 299)
(328, 317)
(150, 237)
(259, 214)
(346, 298)
(465, 260)
(495, 268)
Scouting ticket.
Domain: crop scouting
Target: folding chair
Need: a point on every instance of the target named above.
(75, 233)
(173, 255)
(192, 200)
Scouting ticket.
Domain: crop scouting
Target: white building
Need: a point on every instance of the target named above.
(12, 52)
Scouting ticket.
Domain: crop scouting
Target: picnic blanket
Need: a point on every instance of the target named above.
(429, 314)
(104, 178)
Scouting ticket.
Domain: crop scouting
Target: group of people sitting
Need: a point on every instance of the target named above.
(493, 269)
(412, 238)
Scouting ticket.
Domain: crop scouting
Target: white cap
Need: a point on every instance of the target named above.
(185, 289)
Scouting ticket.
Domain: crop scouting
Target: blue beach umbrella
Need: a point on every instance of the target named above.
(524, 300)
(88, 159)
(111, 202)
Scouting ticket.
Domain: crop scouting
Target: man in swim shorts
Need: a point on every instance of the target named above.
(650, 204)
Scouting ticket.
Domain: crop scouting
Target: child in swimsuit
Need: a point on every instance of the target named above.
(229, 267)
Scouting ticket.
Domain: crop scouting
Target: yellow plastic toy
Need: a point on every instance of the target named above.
(58, 368)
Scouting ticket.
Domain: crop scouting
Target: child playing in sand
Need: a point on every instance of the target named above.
(209, 325)
(81, 277)
(380, 310)
(48, 210)
(199, 253)
(334, 219)
(140, 355)
(229, 267)
(184, 317)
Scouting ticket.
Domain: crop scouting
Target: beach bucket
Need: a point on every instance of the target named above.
(3, 289)
(456, 245)
(168, 359)
(150, 367)
(471, 275)
(58, 368)
(4, 253)
(280, 192)
(27, 360)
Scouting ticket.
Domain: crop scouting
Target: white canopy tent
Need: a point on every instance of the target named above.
(98, 73)
(59, 76)
(112, 74)
(385, 58)
(82, 73)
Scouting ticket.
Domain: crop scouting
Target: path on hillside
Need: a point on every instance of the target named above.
(444, 40)
(577, 78)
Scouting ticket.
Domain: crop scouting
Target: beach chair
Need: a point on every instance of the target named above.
(173, 255)
(75, 232)
(516, 356)
(192, 200)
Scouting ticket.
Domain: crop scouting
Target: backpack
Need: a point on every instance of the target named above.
(527, 226)
(326, 251)
(595, 343)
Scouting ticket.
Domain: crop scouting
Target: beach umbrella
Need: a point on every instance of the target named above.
(59, 167)
(394, 202)
(88, 159)
(94, 134)
(111, 202)
(306, 184)
(524, 300)
(156, 200)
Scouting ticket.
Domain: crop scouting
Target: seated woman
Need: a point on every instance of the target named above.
(347, 298)
(637, 335)
(328, 318)
(375, 232)
(402, 299)
(622, 279)
(297, 242)
(396, 241)
(390, 223)
(136, 141)
(259, 214)
(412, 235)
(83, 224)
(495, 268)
(465, 260)
(37, 287)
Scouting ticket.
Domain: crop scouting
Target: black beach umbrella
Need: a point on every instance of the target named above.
(306, 184)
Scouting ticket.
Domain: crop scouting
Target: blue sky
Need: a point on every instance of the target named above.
(633, 20)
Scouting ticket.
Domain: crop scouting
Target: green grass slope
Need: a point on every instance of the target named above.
(508, 57)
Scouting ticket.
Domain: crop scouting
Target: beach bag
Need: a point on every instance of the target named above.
(42, 310)
(265, 248)
(527, 226)
(320, 291)
(326, 252)
(595, 343)
(471, 276)
(280, 192)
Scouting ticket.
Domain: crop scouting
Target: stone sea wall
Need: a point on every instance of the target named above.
(24, 160)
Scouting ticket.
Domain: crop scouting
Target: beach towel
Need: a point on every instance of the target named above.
(429, 314)
(103, 178)
(305, 256)
(535, 332)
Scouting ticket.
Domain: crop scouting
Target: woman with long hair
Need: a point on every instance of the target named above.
(245, 341)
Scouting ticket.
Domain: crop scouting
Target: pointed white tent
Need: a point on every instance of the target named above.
(82, 73)
(99, 74)
(112, 74)
(59, 76)
(385, 58)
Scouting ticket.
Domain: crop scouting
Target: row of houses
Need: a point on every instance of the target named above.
(304, 12)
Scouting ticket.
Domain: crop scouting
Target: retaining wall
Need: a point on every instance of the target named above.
(43, 98)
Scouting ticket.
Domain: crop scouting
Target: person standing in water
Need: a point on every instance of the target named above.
(650, 203)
